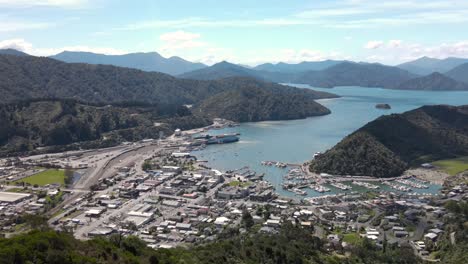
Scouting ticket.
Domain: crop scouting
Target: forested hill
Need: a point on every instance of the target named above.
(434, 82)
(292, 245)
(30, 77)
(12, 52)
(50, 103)
(390, 144)
(28, 125)
(356, 74)
(23, 78)
(252, 103)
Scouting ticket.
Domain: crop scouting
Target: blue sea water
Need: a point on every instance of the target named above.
(296, 141)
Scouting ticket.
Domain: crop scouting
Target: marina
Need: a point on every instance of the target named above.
(264, 144)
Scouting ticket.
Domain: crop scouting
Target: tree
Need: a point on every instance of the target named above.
(247, 219)
(146, 165)
(68, 176)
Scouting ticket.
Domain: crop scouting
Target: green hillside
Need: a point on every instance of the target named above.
(390, 144)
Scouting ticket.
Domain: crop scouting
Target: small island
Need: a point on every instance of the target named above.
(383, 106)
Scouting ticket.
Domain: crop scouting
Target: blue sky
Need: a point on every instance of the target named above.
(248, 32)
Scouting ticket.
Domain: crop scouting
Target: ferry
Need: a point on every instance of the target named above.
(221, 139)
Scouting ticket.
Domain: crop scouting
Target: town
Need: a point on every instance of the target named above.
(158, 191)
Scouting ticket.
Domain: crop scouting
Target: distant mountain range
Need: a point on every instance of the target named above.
(433, 82)
(426, 65)
(387, 146)
(225, 69)
(356, 74)
(299, 67)
(415, 75)
(151, 61)
(342, 74)
(459, 73)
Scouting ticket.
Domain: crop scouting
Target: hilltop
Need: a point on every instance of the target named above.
(426, 65)
(297, 68)
(459, 73)
(150, 61)
(390, 144)
(433, 82)
(220, 70)
(337, 74)
(12, 52)
(356, 74)
(225, 69)
(252, 103)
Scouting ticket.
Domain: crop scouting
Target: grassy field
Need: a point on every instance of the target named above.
(453, 166)
(351, 238)
(46, 177)
(239, 184)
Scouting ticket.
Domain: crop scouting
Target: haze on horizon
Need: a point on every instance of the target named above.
(389, 32)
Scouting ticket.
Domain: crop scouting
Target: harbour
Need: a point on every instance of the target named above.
(272, 148)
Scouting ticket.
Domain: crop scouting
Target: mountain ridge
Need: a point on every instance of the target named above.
(426, 65)
(146, 61)
(434, 82)
(459, 73)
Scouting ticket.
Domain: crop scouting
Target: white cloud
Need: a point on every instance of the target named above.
(12, 26)
(17, 44)
(50, 3)
(395, 43)
(190, 46)
(397, 51)
(290, 56)
(208, 23)
(374, 14)
(374, 44)
(23, 45)
(179, 36)
(177, 41)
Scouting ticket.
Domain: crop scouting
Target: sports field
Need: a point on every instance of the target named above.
(46, 177)
(453, 166)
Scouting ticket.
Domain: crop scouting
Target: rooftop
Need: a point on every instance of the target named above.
(10, 197)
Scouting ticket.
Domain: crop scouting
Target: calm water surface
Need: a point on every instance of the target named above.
(297, 140)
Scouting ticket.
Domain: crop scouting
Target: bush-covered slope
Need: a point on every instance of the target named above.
(59, 120)
(28, 125)
(386, 146)
(459, 73)
(356, 74)
(433, 82)
(23, 78)
(252, 103)
(30, 77)
(291, 246)
(225, 70)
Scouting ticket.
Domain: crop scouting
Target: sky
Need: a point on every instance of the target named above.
(242, 31)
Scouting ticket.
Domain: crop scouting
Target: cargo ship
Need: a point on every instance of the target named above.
(219, 139)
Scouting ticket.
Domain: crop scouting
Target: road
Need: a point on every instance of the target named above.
(107, 167)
